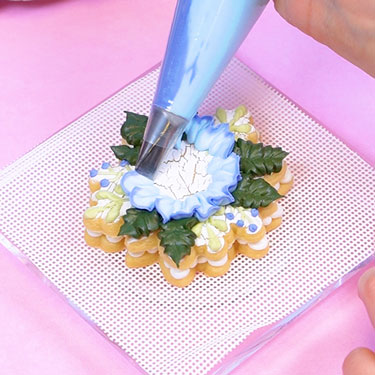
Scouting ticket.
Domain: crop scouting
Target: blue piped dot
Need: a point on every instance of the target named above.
(105, 165)
(229, 216)
(123, 163)
(240, 223)
(104, 182)
(253, 228)
(93, 172)
(254, 212)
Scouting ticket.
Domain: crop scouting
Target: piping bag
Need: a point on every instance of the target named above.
(204, 36)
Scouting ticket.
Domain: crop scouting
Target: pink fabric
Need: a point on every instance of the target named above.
(60, 58)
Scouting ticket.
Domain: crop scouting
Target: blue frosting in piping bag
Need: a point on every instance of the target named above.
(204, 36)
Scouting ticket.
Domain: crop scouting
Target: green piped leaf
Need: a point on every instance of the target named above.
(220, 211)
(221, 115)
(213, 241)
(259, 160)
(118, 190)
(252, 193)
(103, 194)
(220, 225)
(128, 153)
(113, 213)
(239, 112)
(188, 223)
(91, 212)
(138, 223)
(244, 128)
(197, 229)
(133, 128)
(132, 131)
(177, 238)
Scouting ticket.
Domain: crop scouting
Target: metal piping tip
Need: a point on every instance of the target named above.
(150, 156)
(162, 131)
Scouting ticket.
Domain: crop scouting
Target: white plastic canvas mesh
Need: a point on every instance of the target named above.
(327, 230)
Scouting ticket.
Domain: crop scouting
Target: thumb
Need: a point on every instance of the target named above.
(306, 15)
(360, 361)
(366, 291)
(345, 26)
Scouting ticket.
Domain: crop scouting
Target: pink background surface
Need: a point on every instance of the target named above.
(60, 58)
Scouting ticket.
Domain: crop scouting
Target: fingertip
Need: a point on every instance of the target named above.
(359, 361)
(366, 292)
(366, 282)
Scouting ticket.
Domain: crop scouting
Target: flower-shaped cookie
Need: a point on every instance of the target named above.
(216, 196)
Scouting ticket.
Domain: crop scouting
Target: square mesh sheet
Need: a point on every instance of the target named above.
(327, 231)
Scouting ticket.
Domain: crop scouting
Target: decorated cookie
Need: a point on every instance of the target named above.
(216, 195)
(108, 203)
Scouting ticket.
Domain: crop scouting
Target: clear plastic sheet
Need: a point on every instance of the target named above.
(327, 233)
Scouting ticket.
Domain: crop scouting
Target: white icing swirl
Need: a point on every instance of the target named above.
(201, 260)
(136, 255)
(180, 274)
(260, 245)
(278, 212)
(93, 234)
(194, 264)
(139, 254)
(114, 239)
(109, 238)
(132, 239)
(287, 177)
(177, 273)
(218, 263)
(267, 220)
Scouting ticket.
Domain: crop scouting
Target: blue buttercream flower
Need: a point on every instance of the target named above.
(195, 179)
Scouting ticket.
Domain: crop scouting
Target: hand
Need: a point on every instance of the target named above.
(361, 361)
(345, 26)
